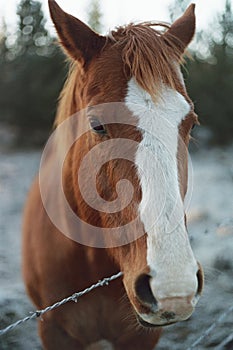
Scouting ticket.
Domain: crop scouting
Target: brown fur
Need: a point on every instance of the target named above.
(148, 55)
(55, 266)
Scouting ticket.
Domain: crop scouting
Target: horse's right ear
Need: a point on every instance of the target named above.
(78, 40)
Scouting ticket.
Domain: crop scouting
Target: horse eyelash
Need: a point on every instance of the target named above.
(96, 125)
(195, 124)
(193, 127)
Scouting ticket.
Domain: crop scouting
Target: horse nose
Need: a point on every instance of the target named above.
(200, 280)
(170, 308)
(175, 309)
(143, 291)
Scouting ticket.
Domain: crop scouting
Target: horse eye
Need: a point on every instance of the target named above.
(194, 125)
(97, 126)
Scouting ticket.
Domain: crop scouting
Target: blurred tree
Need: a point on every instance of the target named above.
(177, 8)
(95, 16)
(3, 40)
(32, 36)
(3, 69)
(210, 79)
(226, 25)
(32, 77)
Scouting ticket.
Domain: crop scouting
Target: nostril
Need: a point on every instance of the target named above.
(200, 281)
(168, 316)
(143, 290)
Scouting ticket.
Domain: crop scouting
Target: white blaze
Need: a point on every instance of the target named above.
(161, 210)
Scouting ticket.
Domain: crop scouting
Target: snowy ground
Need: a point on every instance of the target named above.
(210, 226)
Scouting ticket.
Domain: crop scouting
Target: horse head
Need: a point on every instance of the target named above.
(138, 113)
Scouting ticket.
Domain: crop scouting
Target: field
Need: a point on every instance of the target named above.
(210, 223)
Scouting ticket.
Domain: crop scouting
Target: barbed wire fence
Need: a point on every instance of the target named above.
(105, 282)
(74, 297)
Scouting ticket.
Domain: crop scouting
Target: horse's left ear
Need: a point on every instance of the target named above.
(78, 40)
(182, 30)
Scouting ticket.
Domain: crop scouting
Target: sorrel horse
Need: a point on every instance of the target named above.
(131, 94)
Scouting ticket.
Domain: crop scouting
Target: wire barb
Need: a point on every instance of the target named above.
(74, 298)
(38, 314)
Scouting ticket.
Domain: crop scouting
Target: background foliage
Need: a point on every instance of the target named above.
(33, 70)
(210, 79)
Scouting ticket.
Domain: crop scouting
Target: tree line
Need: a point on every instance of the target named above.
(33, 71)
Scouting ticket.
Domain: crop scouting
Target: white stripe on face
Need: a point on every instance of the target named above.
(161, 210)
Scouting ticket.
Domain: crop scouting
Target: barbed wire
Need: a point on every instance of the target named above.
(74, 298)
(209, 330)
(104, 282)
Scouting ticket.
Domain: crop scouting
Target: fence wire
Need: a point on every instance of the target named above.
(74, 298)
(209, 330)
(105, 282)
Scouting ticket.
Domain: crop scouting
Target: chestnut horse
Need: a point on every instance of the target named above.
(125, 108)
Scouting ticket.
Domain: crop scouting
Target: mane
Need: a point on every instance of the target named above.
(147, 55)
(67, 102)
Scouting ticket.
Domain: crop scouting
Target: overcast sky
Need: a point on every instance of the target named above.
(117, 12)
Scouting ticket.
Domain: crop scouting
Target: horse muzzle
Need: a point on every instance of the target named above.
(152, 310)
(169, 311)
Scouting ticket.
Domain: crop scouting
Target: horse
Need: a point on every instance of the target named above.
(122, 130)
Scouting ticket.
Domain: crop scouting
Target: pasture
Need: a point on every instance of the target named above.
(210, 226)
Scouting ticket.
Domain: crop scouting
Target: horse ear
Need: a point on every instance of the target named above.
(182, 30)
(78, 40)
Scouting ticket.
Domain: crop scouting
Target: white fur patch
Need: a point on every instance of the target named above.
(100, 345)
(169, 254)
